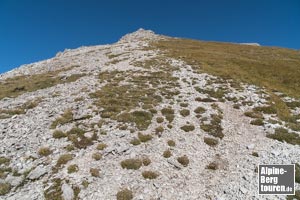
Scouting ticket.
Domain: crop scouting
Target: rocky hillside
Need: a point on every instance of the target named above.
(149, 117)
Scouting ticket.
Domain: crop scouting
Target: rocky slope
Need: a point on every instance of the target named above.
(127, 120)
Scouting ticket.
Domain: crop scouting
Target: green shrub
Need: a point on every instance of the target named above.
(266, 109)
(254, 114)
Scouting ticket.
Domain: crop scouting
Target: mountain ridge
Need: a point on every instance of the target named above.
(148, 117)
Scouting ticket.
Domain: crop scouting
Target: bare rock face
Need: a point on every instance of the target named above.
(153, 125)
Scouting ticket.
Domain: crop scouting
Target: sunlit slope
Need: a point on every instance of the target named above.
(274, 68)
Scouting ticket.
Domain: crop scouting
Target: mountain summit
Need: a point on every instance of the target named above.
(149, 117)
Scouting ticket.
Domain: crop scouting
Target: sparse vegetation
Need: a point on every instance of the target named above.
(168, 113)
(79, 140)
(167, 154)
(213, 166)
(65, 118)
(63, 159)
(171, 143)
(185, 112)
(283, 135)
(184, 105)
(135, 141)
(257, 122)
(159, 119)
(150, 174)
(254, 114)
(255, 154)
(4, 160)
(4, 188)
(125, 194)
(44, 151)
(146, 161)
(13, 87)
(95, 172)
(101, 146)
(211, 141)
(200, 110)
(131, 164)
(58, 134)
(183, 160)
(214, 128)
(97, 156)
(144, 137)
(188, 127)
(159, 130)
(73, 168)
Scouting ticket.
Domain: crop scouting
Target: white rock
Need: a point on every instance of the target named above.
(37, 172)
(68, 193)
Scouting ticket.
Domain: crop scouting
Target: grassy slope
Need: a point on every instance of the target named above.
(273, 68)
(276, 69)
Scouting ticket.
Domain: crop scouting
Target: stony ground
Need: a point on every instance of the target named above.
(135, 123)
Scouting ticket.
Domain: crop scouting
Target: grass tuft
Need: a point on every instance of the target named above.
(131, 164)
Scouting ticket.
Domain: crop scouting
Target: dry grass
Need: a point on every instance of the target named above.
(4, 188)
(144, 137)
(188, 127)
(273, 68)
(150, 174)
(101, 146)
(135, 141)
(97, 156)
(65, 118)
(131, 164)
(73, 168)
(13, 87)
(257, 122)
(64, 159)
(58, 134)
(283, 135)
(167, 154)
(159, 119)
(200, 110)
(184, 112)
(214, 128)
(171, 143)
(211, 141)
(146, 161)
(95, 172)
(125, 194)
(183, 160)
(4, 160)
(44, 151)
(212, 166)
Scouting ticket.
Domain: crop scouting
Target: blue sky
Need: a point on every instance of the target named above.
(33, 30)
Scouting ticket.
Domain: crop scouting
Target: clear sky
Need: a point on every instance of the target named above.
(33, 30)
